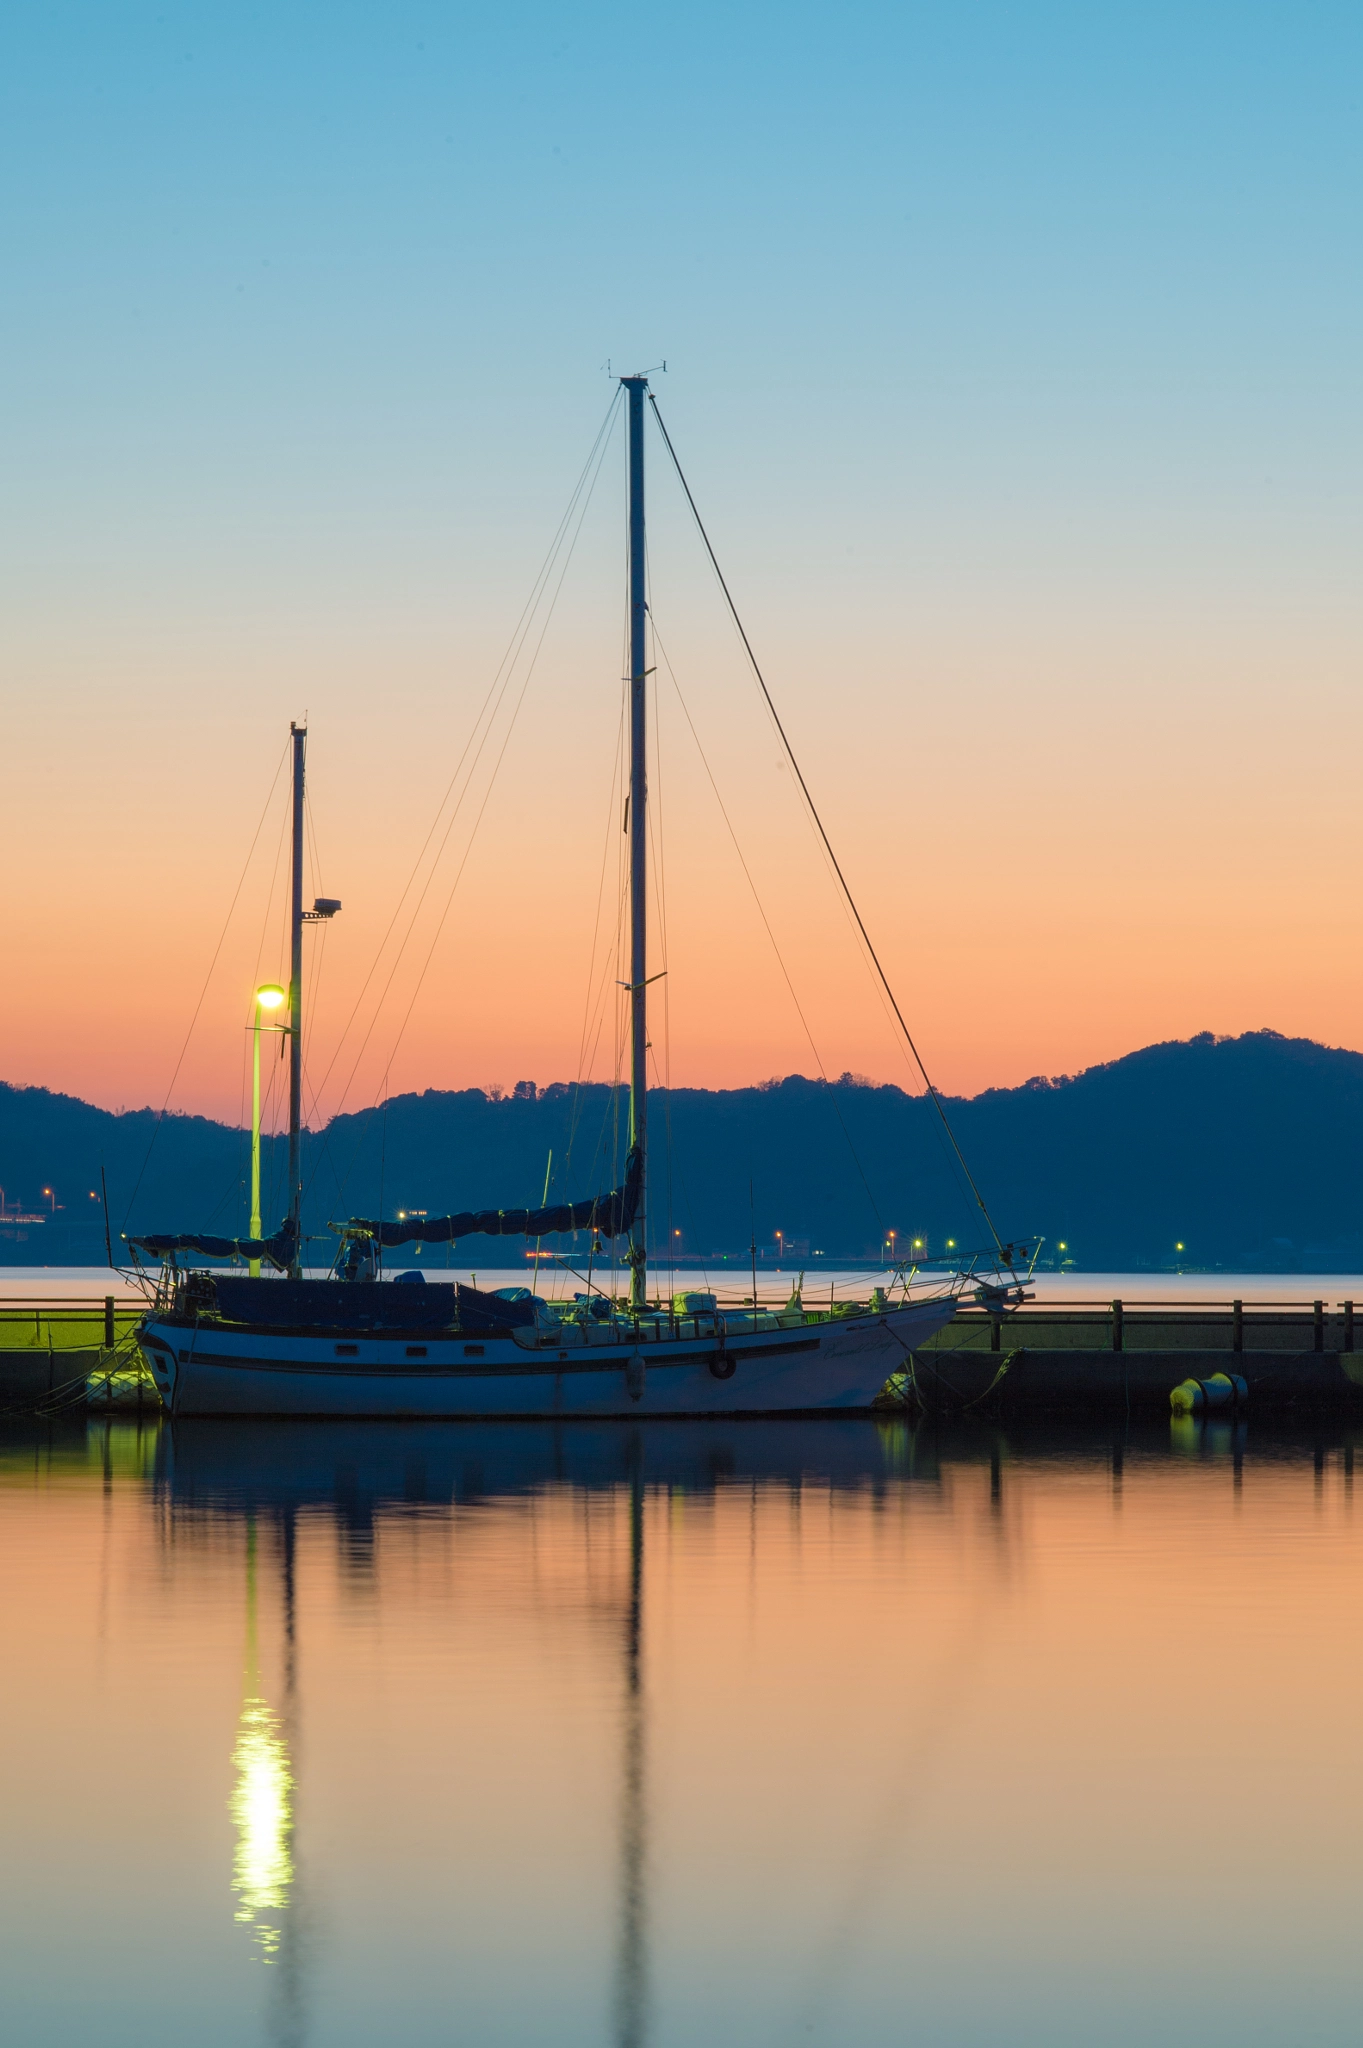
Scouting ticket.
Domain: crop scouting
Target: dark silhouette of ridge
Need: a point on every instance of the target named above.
(1245, 1150)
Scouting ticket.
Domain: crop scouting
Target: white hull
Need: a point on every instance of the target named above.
(208, 1369)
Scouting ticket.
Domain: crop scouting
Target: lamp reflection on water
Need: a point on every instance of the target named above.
(262, 1796)
(262, 1808)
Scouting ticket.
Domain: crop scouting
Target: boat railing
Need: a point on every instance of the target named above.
(671, 1327)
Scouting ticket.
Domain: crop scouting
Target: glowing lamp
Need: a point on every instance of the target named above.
(271, 996)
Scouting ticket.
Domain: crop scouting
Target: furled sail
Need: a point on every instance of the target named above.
(610, 1214)
(277, 1249)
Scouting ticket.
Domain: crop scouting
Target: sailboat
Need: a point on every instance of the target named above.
(355, 1344)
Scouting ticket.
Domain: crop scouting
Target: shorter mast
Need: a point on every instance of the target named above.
(300, 736)
(635, 388)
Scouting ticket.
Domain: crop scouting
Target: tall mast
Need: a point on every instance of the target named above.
(300, 735)
(635, 388)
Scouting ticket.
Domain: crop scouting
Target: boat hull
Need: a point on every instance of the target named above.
(213, 1369)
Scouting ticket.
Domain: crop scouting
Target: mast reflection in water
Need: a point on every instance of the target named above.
(631, 1992)
(648, 1734)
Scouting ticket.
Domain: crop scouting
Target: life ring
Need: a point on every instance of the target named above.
(722, 1367)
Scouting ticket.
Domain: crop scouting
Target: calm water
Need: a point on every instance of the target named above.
(676, 1733)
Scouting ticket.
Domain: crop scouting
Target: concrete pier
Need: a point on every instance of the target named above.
(53, 1352)
(1294, 1356)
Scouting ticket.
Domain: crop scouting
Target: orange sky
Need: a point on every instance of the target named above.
(1074, 827)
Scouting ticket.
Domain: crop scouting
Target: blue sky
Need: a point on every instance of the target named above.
(346, 249)
(1013, 351)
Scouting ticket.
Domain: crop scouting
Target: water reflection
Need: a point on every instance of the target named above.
(638, 1734)
(358, 1470)
(631, 1992)
(262, 1794)
(263, 1802)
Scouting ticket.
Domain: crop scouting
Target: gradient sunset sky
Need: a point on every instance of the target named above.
(1013, 355)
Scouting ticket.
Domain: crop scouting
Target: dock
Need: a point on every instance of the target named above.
(71, 1353)
(1108, 1355)
(1086, 1358)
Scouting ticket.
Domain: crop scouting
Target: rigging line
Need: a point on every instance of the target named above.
(320, 951)
(654, 823)
(501, 676)
(664, 1074)
(666, 1093)
(160, 1114)
(592, 1002)
(944, 1137)
(487, 797)
(657, 847)
(766, 922)
(953, 1163)
(654, 785)
(611, 814)
(602, 1009)
(496, 768)
(591, 1005)
(343, 1179)
(813, 811)
(314, 1006)
(582, 1088)
(269, 893)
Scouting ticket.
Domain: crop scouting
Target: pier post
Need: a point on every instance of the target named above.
(1237, 1326)
(1318, 1319)
(1348, 1326)
(1117, 1334)
(108, 1322)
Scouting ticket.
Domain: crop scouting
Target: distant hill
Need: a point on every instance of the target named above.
(1245, 1150)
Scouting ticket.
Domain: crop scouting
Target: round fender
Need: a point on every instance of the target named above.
(723, 1367)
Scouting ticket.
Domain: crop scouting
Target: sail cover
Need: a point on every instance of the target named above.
(277, 1249)
(611, 1214)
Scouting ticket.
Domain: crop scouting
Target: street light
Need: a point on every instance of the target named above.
(269, 997)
